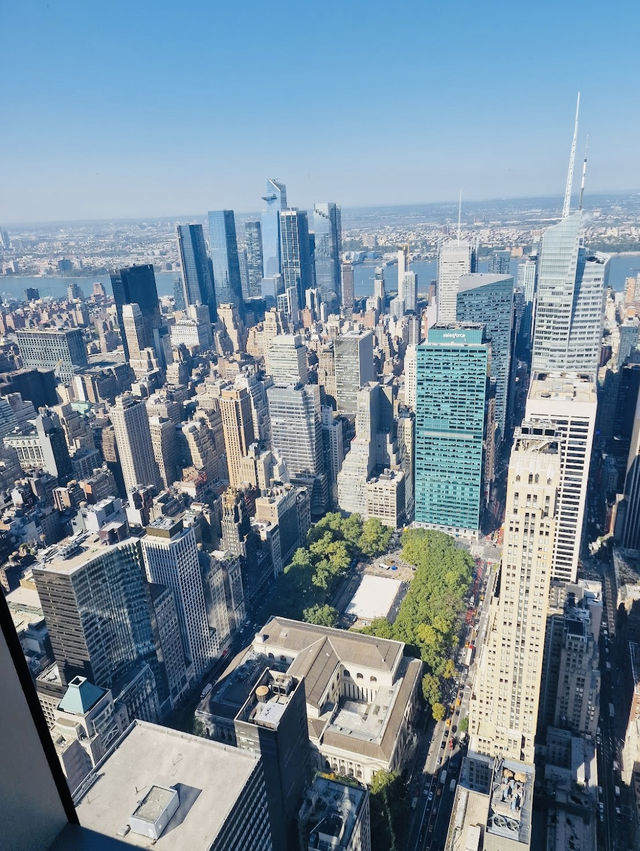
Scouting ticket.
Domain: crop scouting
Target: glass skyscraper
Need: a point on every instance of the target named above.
(137, 285)
(197, 273)
(253, 238)
(224, 258)
(275, 198)
(295, 254)
(98, 610)
(570, 301)
(451, 425)
(328, 241)
(488, 300)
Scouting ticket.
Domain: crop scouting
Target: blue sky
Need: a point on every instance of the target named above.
(142, 108)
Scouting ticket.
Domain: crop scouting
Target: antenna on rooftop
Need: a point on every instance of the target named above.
(584, 171)
(459, 213)
(572, 158)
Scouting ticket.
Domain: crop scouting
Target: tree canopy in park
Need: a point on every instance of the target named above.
(429, 616)
(305, 588)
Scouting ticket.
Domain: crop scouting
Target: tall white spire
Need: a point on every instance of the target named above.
(572, 158)
(584, 171)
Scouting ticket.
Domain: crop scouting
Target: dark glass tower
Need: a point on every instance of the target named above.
(295, 253)
(224, 257)
(253, 236)
(197, 273)
(328, 236)
(137, 285)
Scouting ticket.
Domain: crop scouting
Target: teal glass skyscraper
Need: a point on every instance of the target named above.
(488, 300)
(452, 411)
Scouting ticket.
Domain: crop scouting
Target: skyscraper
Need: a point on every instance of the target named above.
(453, 421)
(295, 256)
(327, 229)
(403, 263)
(133, 438)
(197, 273)
(378, 286)
(348, 292)
(567, 403)
(237, 425)
(224, 258)
(273, 723)
(171, 558)
(63, 351)
(137, 285)
(455, 258)
(504, 702)
(275, 198)
(287, 359)
(296, 434)
(408, 291)
(569, 302)
(500, 262)
(253, 237)
(353, 367)
(570, 297)
(98, 610)
(488, 300)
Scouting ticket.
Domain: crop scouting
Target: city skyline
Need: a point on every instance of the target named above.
(86, 166)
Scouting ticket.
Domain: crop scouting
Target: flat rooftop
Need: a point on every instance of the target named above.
(366, 721)
(208, 777)
(73, 553)
(511, 801)
(563, 387)
(374, 597)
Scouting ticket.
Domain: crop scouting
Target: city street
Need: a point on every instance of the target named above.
(437, 762)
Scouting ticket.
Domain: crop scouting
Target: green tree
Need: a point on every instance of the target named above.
(379, 627)
(463, 726)
(438, 711)
(321, 615)
(449, 669)
(375, 537)
(389, 812)
(431, 689)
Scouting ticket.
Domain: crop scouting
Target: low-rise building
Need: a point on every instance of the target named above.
(361, 694)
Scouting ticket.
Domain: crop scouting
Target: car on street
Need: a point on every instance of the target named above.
(430, 796)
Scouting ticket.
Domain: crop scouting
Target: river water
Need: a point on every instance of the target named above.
(13, 286)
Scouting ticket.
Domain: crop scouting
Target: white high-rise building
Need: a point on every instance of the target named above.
(455, 258)
(503, 712)
(408, 291)
(410, 377)
(287, 359)
(567, 403)
(353, 367)
(569, 302)
(171, 558)
(133, 438)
